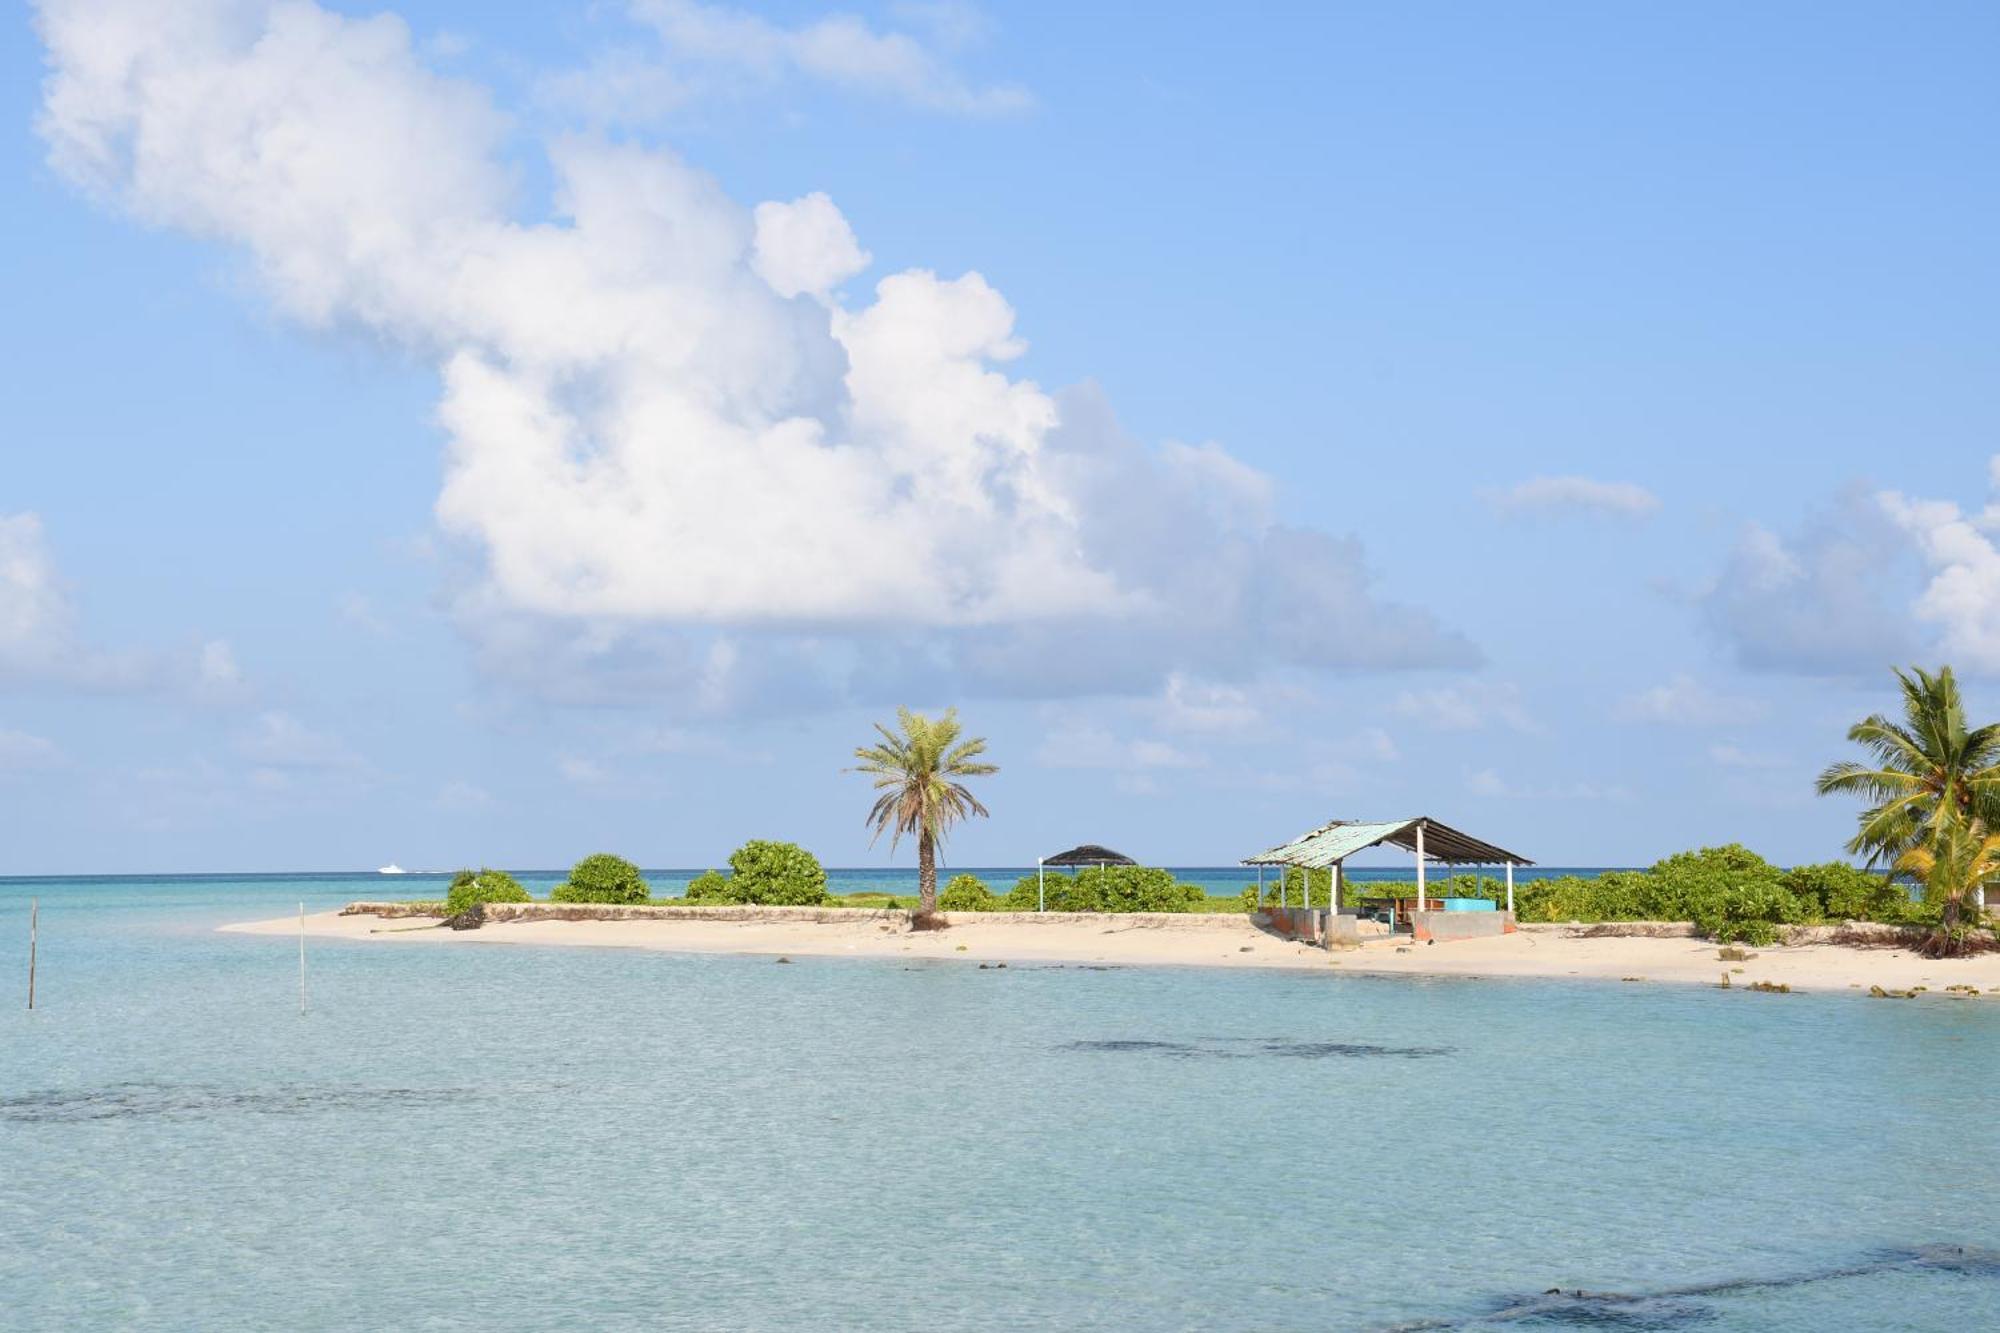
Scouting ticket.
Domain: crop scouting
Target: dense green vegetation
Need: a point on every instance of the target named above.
(1729, 892)
(1108, 889)
(602, 878)
(967, 893)
(1933, 784)
(765, 874)
(482, 886)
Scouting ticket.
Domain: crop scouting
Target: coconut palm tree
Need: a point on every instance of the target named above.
(918, 773)
(1928, 768)
(1954, 864)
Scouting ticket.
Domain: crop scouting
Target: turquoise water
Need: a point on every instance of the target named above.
(521, 1138)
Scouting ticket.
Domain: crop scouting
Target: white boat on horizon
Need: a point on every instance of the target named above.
(392, 869)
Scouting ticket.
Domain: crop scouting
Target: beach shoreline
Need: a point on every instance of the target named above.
(1549, 952)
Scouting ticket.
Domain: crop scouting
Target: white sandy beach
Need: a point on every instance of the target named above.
(1196, 941)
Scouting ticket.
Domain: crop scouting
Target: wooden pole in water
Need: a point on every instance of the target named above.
(34, 922)
(302, 957)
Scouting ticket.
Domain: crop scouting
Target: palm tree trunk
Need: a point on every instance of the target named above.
(926, 874)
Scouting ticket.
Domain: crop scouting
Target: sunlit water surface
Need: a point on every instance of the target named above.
(524, 1138)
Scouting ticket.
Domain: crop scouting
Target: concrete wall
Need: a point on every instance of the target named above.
(1443, 926)
(1312, 925)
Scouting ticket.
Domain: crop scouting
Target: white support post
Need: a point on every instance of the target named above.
(1420, 870)
(1041, 885)
(1510, 886)
(1333, 891)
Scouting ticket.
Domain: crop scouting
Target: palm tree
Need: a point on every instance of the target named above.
(1929, 768)
(918, 775)
(1954, 864)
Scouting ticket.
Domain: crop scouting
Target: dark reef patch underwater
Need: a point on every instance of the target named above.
(129, 1100)
(1684, 1306)
(1249, 1048)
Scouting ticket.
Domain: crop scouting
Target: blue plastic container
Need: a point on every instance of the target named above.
(1468, 904)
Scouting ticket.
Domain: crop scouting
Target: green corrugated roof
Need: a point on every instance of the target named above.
(1323, 846)
(1342, 838)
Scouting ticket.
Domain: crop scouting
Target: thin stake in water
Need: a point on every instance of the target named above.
(302, 957)
(34, 920)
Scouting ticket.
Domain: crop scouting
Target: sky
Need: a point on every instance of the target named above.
(455, 434)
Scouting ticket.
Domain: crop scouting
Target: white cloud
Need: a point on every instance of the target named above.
(1470, 706)
(660, 416)
(805, 247)
(1576, 495)
(702, 42)
(40, 643)
(1962, 598)
(1829, 600)
(1187, 704)
(1685, 701)
(35, 617)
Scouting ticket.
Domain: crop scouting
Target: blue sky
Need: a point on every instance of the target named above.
(420, 445)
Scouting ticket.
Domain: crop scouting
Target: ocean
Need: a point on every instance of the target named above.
(527, 1138)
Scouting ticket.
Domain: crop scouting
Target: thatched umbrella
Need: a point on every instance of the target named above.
(1089, 854)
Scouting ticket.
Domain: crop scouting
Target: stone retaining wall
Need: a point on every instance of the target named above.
(547, 911)
(1841, 932)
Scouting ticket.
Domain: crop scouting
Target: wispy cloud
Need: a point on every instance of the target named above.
(1551, 496)
(1489, 783)
(708, 51)
(21, 752)
(1470, 706)
(1685, 701)
(277, 740)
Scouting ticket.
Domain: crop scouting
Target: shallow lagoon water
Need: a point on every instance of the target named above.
(524, 1138)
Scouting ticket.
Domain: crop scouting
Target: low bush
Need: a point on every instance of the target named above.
(763, 874)
(777, 874)
(1110, 889)
(707, 888)
(482, 886)
(1840, 892)
(602, 878)
(1750, 911)
(967, 893)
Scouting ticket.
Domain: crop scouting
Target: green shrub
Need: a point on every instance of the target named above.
(602, 878)
(1110, 889)
(1840, 892)
(482, 886)
(1750, 911)
(709, 888)
(967, 893)
(1063, 894)
(777, 874)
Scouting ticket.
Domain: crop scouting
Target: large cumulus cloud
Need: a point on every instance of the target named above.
(670, 432)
